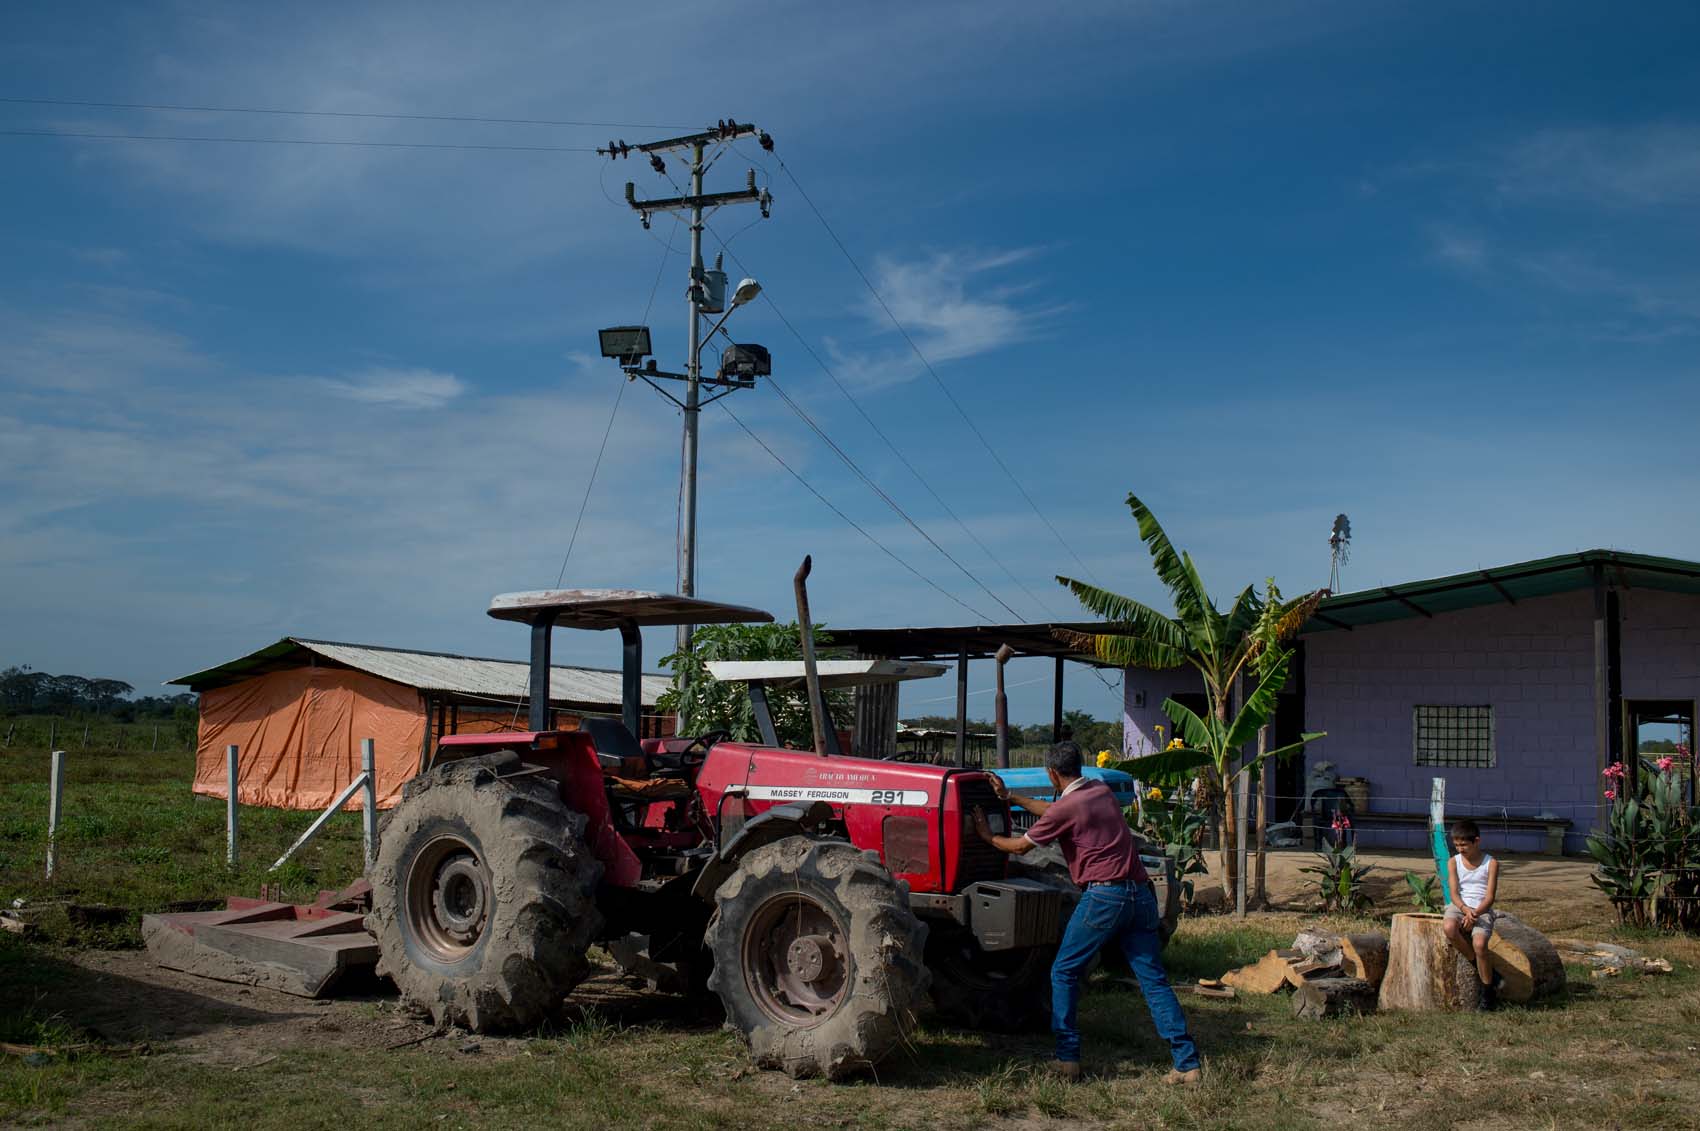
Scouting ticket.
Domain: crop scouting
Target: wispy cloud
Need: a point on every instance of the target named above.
(1564, 213)
(1457, 248)
(1621, 167)
(950, 308)
(89, 349)
(402, 388)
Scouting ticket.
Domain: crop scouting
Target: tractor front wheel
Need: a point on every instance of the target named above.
(483, 896)
(817, 957)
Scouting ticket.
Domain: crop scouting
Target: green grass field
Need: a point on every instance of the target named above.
(1617, 1053)
(132, 835)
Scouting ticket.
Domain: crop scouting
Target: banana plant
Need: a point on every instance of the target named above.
(1223, 647)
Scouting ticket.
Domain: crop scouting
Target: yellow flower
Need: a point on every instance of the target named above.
(1155, 794)
(1159, 729)
(1175, 744)
(1105, 758)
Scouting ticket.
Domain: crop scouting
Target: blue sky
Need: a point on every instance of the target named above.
(1431, 265)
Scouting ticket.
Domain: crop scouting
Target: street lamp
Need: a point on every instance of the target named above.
(747, 290)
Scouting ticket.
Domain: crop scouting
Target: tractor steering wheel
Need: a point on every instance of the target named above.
(698, 749)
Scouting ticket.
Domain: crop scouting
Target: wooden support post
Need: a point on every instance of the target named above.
(85, 736)
(52, 732)
(1243, 787)
(369, 798)
(1056, 704)
(55, 803)
(9, 730)
(962, 707)
(231, 757)
(155, 747)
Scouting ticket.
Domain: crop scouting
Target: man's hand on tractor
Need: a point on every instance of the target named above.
(999, 788)
(981, 825)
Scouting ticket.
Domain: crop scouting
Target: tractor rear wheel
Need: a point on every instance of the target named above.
(817, 957)
(999, 991)
(483, 895)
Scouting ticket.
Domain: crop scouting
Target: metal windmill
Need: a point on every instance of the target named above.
(1340, 550)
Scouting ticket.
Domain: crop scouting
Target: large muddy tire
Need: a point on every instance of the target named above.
(817, 957)
(483, 896)
(999, 991)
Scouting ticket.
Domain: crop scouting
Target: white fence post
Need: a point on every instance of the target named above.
(1437, 835)
(55, 803)
(369, 799)
(230, 759)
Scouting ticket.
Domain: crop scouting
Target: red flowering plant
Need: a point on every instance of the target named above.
(1340, 877)
(1648, 857)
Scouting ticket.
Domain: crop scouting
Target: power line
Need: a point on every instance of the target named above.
(614, 412)
(876, 489)
(295, 141)
(883, 548)
(904, 460)
(585, 502)
(929, 366)
(160, 106)
(845, 456)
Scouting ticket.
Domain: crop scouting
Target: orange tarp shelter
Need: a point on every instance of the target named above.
(298, 710)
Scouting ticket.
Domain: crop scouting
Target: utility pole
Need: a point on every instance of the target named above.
(706, 293)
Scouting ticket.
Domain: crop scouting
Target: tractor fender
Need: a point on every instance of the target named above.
(777, 823)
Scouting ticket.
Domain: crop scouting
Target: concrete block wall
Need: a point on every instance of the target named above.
(1531, 662)
(1140, 722)
(1661, 644)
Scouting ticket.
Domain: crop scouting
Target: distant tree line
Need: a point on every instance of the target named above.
(25, 691)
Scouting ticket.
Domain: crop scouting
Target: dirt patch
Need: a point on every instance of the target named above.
(1552, 893)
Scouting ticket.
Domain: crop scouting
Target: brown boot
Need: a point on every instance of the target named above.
(1189, 1078)
(1066, 1070)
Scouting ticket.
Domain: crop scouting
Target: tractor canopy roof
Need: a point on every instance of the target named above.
(833, 673)
(611, 608)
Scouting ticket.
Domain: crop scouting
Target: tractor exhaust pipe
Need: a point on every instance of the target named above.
(811, 672)
(1003, 657)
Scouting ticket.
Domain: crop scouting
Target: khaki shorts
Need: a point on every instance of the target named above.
(1484, 922)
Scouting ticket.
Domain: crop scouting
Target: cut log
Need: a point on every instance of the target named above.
(1334, 997)
(1267, 975)
(1525, 959)
(1365, 957)
(1423, 970)
(1298, 973)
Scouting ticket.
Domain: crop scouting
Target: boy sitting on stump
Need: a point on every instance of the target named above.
(1474, 884)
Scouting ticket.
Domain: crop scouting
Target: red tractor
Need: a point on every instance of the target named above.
(819, 896)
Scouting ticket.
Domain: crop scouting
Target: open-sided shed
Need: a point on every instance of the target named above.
(298, 709)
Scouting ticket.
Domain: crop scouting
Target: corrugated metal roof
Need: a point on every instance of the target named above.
(1505, 584)
(609, 608)
(834, 674)
(472, 676)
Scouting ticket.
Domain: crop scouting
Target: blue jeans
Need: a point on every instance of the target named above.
(1127, 915)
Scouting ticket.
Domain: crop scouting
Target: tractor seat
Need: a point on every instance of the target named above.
(617, 749)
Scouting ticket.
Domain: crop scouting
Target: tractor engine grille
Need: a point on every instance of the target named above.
(977, 860)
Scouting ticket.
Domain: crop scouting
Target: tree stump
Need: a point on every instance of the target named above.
(1526, 959)
(1333, 997)
(1423, 971)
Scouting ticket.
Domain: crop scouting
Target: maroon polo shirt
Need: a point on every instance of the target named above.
(1087, 824)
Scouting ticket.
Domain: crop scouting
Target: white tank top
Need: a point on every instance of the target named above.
(1472, 882)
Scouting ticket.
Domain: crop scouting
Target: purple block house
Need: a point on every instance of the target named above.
(1517, 684)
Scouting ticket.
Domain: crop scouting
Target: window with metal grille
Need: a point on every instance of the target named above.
(1452, 736)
